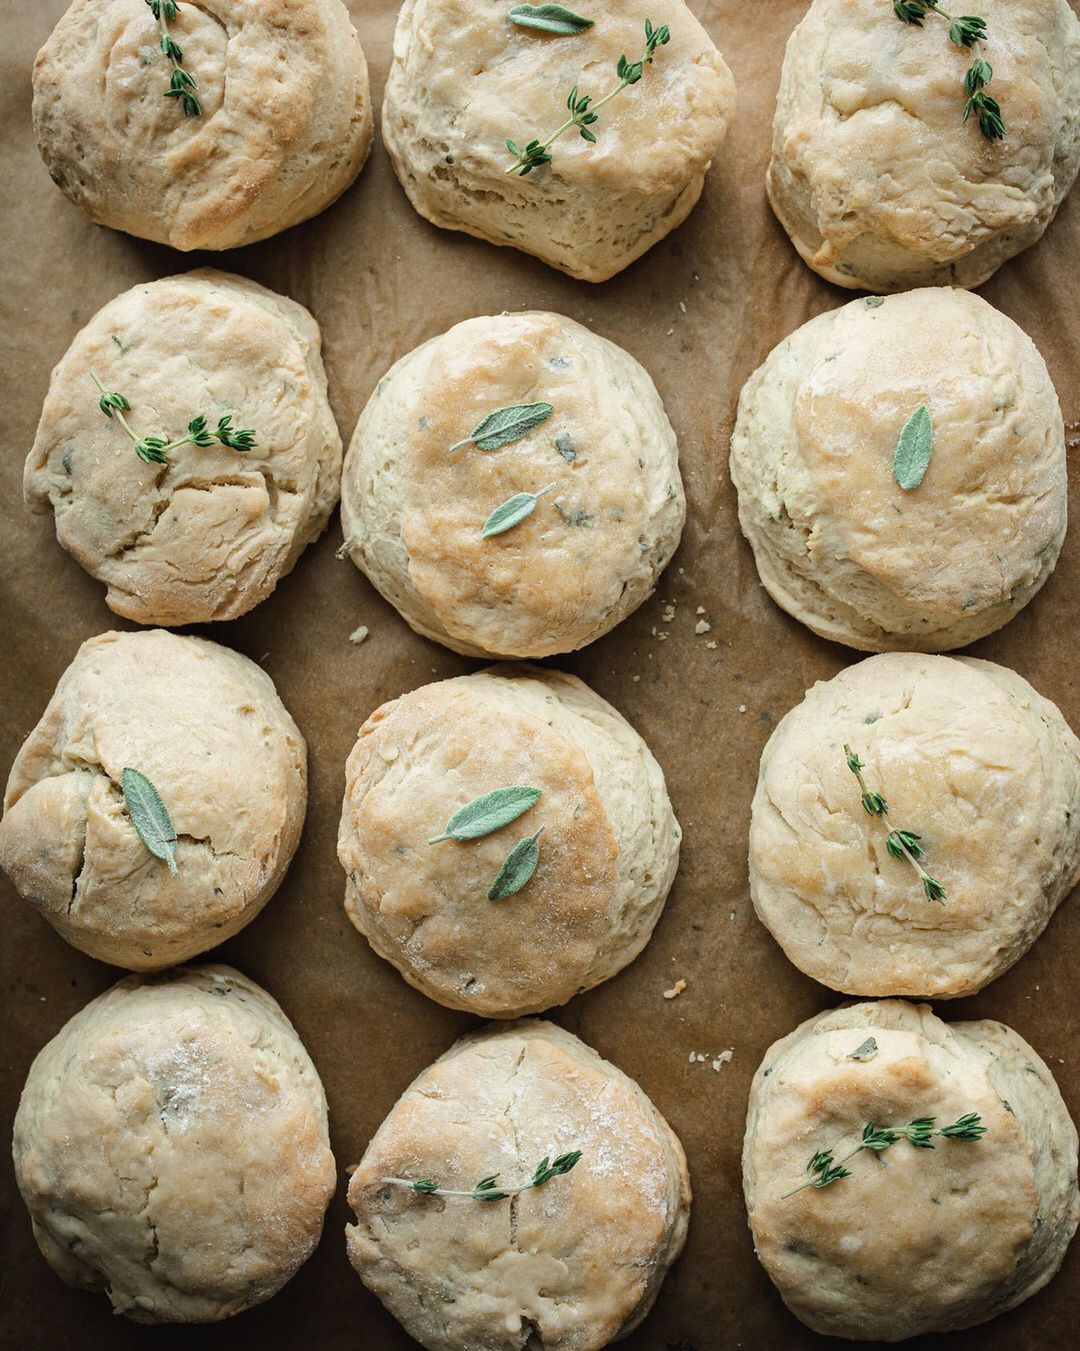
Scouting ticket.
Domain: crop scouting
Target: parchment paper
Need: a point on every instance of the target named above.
(700, 311)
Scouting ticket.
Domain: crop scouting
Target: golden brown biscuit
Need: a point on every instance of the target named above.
(916, 1239)
(607, 854)
(284, 124)
(610, 517)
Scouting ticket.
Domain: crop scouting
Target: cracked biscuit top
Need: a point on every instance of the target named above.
(973, 762)
(206, 727)
(466, 79)
(277, 124)
(207, 534)
(171, 1146)
(569, 1265)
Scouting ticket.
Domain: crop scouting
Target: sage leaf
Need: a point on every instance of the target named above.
(149, 816)
(513, 511)
(519, 866)
(565, 446)
(506, 425)
(866, 1051)
(490, 812)
(913, 449)
(550, 19)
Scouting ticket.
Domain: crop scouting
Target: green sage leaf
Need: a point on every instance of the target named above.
(506, 425)
(490, 812)
(550, 19)
(913, 449)
(149, 816)
(519, 866)
(512, 512)
(866, 1051)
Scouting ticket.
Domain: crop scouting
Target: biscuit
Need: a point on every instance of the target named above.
(465, 78)
(171, 1146)
(413, 512)
(208, 534)
(206, 727)
(968, 757)
(915, 1240)
(874, 175)
(607, 855)
(570, 1265)
(838, 543)
(284, 128)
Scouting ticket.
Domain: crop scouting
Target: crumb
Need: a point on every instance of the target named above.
(670, 332)
(702, 626)
(682, 306)
(721, 1060)
(668, 614)
(636, 678)
(358, 635)
(700, 610)
(711, 645)
(676, 989)
(742, 708)
(732, 915)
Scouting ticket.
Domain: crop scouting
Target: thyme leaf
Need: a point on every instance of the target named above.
(824, 1169)
(487, 1188)
(965, 31)
(155, 449)
(583, 111)
(898, 843)
(182, 84)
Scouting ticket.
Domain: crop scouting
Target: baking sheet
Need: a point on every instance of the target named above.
(700, 311)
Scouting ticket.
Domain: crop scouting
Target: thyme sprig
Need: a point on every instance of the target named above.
(155, 449)
(824, 1168)
(583, 111)
(487, 1189)
(899, 843)
(183, 84)
(965, 31)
